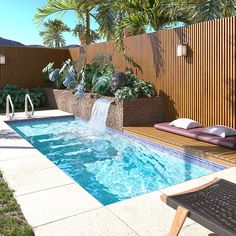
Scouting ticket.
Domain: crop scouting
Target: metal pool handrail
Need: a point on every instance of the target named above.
(9, 102)
(28, 99)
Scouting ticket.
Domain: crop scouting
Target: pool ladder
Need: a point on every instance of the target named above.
(10, 103)
(27, 113)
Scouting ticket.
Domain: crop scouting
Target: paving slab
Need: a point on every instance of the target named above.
(37, 180)
(146, 214)
(25, 164)
(100, 222)
(195, 230)
(37, 114)
(53, 204)
(9, 153)
(10, 140)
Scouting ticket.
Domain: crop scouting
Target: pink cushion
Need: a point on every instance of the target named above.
(229, 142)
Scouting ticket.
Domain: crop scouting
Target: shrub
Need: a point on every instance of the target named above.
(102, 79)
(17, 94)
(86, 75)
(102, 85)
(144, 89)
(47, 70)
(137, 88)
(59, 78)
(38, 97)
(96, 78)
(125, 93)
(131, 79)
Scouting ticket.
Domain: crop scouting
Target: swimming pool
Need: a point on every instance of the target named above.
(110, 165)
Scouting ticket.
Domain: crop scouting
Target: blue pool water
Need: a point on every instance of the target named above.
(109, 165)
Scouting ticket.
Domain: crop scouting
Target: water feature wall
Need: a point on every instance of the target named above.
(100, 113)
(139, 112)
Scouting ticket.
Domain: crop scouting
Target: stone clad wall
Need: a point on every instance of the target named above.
(143, 111)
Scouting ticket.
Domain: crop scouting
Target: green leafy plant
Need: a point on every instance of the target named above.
(86, 75)
(56, 79)
(37, 96)
(52, 76)
(131, 79)
(67, 73)
(144, 89)
(135, 88)
(108, 70)
(125, 93)
(102, 85)
(60, 78)
(97, 77)
(102, 80)
(17, 94)
(47, 70)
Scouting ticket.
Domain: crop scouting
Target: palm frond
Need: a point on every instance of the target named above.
(52, 33)
(131, 62)
(55, 6)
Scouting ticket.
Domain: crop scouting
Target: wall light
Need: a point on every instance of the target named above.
(2, 59)
(182, 50)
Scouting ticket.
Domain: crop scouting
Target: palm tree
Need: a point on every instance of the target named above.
(52, 33)
(105, 15)
(100, 10)
(79, 32)
(137, 15)
(62, 6)
(204, 10)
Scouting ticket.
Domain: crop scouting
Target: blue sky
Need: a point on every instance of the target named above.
(16, 21)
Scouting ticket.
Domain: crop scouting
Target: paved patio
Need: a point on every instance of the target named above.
(55, 205)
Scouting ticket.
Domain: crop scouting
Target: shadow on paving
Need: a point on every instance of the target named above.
(8, 134)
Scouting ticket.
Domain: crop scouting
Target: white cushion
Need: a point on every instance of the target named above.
(185, 123)
(220, 130)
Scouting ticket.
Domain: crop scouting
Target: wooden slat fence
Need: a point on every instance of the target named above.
(201, 86)
(24, 64)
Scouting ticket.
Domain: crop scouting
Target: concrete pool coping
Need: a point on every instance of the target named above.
(54, 204)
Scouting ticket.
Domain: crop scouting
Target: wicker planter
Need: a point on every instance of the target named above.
(140, 112)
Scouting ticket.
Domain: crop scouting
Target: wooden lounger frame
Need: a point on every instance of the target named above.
(181, 212)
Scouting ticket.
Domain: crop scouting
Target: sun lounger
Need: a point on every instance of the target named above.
(228, 142)
(212, 205)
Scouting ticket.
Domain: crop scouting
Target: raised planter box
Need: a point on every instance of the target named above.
(140, 112)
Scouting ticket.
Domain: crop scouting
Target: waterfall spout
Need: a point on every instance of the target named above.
(99, 113)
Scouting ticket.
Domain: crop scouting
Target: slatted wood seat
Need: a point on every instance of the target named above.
(212, 205)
